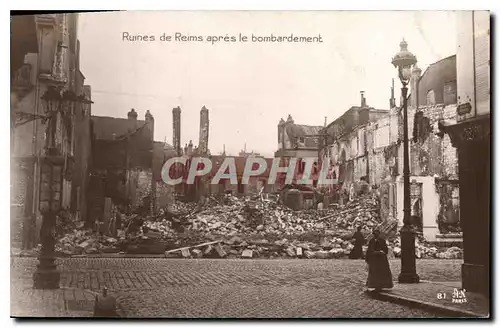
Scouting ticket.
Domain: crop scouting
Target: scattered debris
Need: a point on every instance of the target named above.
(248, 228)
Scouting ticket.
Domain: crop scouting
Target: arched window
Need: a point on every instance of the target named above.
(430, 98)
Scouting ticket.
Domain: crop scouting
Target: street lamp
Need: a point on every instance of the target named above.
(404, 61)
(55, 102)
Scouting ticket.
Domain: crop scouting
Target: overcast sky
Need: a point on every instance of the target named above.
(249, 86)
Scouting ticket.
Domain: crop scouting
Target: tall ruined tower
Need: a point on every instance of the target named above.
(204, 127)
(150, 122)
(392, 100)
(176, 115)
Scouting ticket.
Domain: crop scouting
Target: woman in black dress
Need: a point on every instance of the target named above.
(359, 241)
(379, 272)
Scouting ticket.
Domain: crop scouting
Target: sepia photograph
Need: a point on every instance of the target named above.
(202, 164)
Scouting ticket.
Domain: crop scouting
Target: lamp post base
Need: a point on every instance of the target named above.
(408, 278)
(46, 275)
(46, 279)
(408, 273)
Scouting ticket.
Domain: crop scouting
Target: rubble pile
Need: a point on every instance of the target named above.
(328, 248)
(86, 242)
(426, 250)
(266, 229)
(270, 218)
(247, 228)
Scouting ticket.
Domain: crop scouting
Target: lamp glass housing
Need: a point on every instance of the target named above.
(406, 72)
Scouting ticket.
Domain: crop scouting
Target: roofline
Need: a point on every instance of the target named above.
(435, 63)
(117, 118)
(356, 107)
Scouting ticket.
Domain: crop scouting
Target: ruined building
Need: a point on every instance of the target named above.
(122, 162)
(368, 143)
(297, 141)
(200, 187)
(45, 52)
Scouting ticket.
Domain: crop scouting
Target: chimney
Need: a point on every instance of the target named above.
(176, 140)
(392, 101)
(363, 99)
(150, 122)
(415, 77)
(204, 128)
(324, 125)
(132, 115)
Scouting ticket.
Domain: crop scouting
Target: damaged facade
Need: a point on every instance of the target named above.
(368, 144)
(297, 141)
(123, 163)
(46, 53)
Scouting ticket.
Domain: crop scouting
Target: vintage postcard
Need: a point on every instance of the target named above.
(250, 164)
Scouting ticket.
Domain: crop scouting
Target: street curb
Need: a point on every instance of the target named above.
(110, 255)
(114, 255)
(445, 310)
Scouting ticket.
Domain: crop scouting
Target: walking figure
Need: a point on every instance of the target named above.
(359, 241)
(379, 272)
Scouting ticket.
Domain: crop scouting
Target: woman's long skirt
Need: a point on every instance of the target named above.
(356, 253)
(379, 272)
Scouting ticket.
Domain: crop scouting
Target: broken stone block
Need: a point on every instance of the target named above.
(396, 251)
(185, 252)
(247, 253)
(233, 251)
(290, 252)
(299, 251)
(197, 253)
(111, 240)
(220, 251)
(208, 250)
(86, 244)
(309, 254)
(303, 246)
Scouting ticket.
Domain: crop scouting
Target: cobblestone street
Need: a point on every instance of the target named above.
(235, 288)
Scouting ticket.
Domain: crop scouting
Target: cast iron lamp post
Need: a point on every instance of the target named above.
(56, 104)
(404, 61)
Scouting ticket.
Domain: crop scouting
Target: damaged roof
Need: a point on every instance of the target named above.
(300, 130)
(307, 131)
(109, 128)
